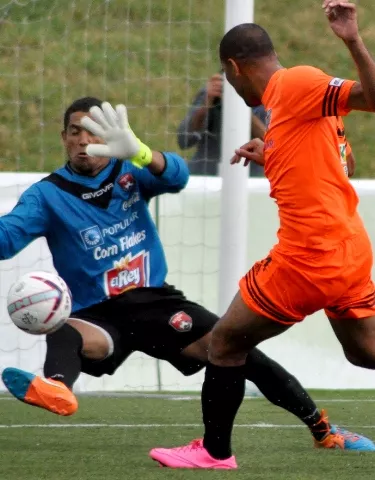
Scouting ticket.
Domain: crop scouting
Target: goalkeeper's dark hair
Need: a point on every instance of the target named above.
(80, 105)
(247, 42)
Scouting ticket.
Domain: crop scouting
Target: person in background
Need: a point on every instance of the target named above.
(202, 128)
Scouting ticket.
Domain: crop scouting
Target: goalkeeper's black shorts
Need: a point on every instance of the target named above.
(160, 322)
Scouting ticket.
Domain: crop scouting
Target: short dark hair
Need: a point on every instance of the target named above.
(80, 105)
(247, 42)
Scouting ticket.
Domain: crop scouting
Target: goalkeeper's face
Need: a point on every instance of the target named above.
(76, 139)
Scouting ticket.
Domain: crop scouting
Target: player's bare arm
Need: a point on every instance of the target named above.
(342, 17)
(350, 161)
(214, 91)
(157, 165)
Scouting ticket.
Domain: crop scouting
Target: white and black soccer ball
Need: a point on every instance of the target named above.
(39, 302)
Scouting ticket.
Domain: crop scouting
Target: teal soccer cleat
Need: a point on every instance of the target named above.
(354, 441)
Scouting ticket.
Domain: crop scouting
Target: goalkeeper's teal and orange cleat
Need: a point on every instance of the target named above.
(193, 455)
(40, 392)
(337, 437)
(353, 441)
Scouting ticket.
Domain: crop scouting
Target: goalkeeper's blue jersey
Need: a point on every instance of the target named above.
(99, 229)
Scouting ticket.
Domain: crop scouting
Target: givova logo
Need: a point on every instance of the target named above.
(97, 193)
(91, 237)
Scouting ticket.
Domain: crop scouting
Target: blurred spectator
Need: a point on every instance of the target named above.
(202, 127)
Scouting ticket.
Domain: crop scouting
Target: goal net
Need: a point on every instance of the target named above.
(151, 55)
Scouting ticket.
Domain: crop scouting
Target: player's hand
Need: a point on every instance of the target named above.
(113, 127)
(251, 152)
(342, 17)
(214, 88)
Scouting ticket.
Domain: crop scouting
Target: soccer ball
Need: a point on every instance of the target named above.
(39, 302)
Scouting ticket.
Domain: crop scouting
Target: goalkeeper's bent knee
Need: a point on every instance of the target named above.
(65, 336)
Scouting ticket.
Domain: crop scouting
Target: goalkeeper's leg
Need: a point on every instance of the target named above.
(284, 390)
(67, 348)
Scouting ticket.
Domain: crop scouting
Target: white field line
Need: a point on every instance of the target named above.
(162, 425)
(178, 398)
(322, 400)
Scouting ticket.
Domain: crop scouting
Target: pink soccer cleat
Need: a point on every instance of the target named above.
(193, 455)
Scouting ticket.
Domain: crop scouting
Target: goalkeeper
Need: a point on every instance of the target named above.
(94, 215)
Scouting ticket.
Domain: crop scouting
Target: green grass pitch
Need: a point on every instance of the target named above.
(110, 437)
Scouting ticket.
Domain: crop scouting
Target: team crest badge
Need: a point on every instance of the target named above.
(127, 182)
(181, 322)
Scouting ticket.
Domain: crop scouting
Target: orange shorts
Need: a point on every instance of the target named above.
(288, 286)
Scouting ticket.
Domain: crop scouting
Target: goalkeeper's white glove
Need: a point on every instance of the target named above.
(113, 127)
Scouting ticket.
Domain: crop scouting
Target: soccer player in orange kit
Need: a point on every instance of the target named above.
(323, 259)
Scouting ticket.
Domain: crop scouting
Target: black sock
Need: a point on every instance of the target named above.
(318, 424)
(222, 394)
(284, 390)
(63, 359)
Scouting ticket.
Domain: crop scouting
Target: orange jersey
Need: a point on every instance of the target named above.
(317, 204)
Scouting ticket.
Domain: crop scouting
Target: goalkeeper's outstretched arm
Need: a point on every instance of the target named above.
(27, 221)
(172, 179)
(158, 163)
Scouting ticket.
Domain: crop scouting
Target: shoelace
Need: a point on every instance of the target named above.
(322, 426)
(194, 445)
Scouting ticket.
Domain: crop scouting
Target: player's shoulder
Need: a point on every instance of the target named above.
(304, 73)
(42, 188)
(302, 81)
(33, 195)
(60, 170)
(45, 180)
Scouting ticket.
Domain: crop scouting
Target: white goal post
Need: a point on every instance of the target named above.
(234, 207)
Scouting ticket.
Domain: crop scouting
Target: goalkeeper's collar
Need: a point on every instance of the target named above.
(71, 170)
